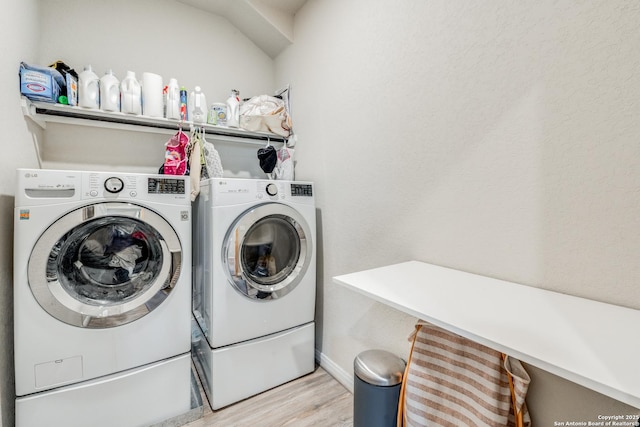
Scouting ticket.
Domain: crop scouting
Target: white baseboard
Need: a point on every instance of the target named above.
(343, 377)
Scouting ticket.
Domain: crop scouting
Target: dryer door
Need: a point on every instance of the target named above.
(267, 251)
(104, 265)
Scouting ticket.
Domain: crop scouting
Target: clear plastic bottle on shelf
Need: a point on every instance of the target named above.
(198, 106)
(233, 109)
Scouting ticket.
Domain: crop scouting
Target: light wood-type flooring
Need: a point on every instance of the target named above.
(316, 399)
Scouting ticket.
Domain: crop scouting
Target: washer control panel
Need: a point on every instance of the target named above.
(166, 185)
(132, 186)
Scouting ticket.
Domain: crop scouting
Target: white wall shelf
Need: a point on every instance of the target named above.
(44, 112)
(590, 343)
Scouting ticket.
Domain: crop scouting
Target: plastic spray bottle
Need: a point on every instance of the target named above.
(172, 102)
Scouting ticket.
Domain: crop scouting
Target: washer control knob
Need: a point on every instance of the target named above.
(272, 189)
(113, 185)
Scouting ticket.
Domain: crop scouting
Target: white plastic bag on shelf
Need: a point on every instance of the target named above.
(265, 113)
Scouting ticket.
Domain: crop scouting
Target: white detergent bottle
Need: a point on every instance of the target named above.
(233, 109)
(130, 94)
(172, 106)
(88, 89)
(109, 92)
(198, 106)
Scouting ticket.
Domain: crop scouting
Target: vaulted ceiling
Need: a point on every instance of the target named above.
(268, 23)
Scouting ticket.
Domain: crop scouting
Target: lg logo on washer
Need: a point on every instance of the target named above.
(239, 186)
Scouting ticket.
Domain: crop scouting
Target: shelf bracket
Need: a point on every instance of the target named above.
(29, 110)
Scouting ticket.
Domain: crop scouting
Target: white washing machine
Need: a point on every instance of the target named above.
(254, 285)
(102, 298)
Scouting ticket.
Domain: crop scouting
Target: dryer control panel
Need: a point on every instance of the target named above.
(231, 191)
(305, 190)
(283, 190)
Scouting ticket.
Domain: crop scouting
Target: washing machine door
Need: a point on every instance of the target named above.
(105, 265)
(267, 251)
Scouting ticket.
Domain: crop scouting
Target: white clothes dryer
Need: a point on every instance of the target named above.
(102, 298)
(254, 285)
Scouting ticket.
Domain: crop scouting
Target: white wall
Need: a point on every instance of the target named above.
(162, 36)
(17, 148)
(159, 36)
(499, 138)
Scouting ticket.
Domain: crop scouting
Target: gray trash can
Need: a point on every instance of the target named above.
(376, 389)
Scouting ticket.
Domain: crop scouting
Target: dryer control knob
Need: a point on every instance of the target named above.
(272, 189)
(113, 185)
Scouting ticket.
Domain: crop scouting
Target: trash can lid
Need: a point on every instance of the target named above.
(379, 367)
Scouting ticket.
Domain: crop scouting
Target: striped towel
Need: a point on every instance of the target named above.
(453, 381)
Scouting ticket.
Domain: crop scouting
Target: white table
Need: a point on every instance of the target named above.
(590, 343)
